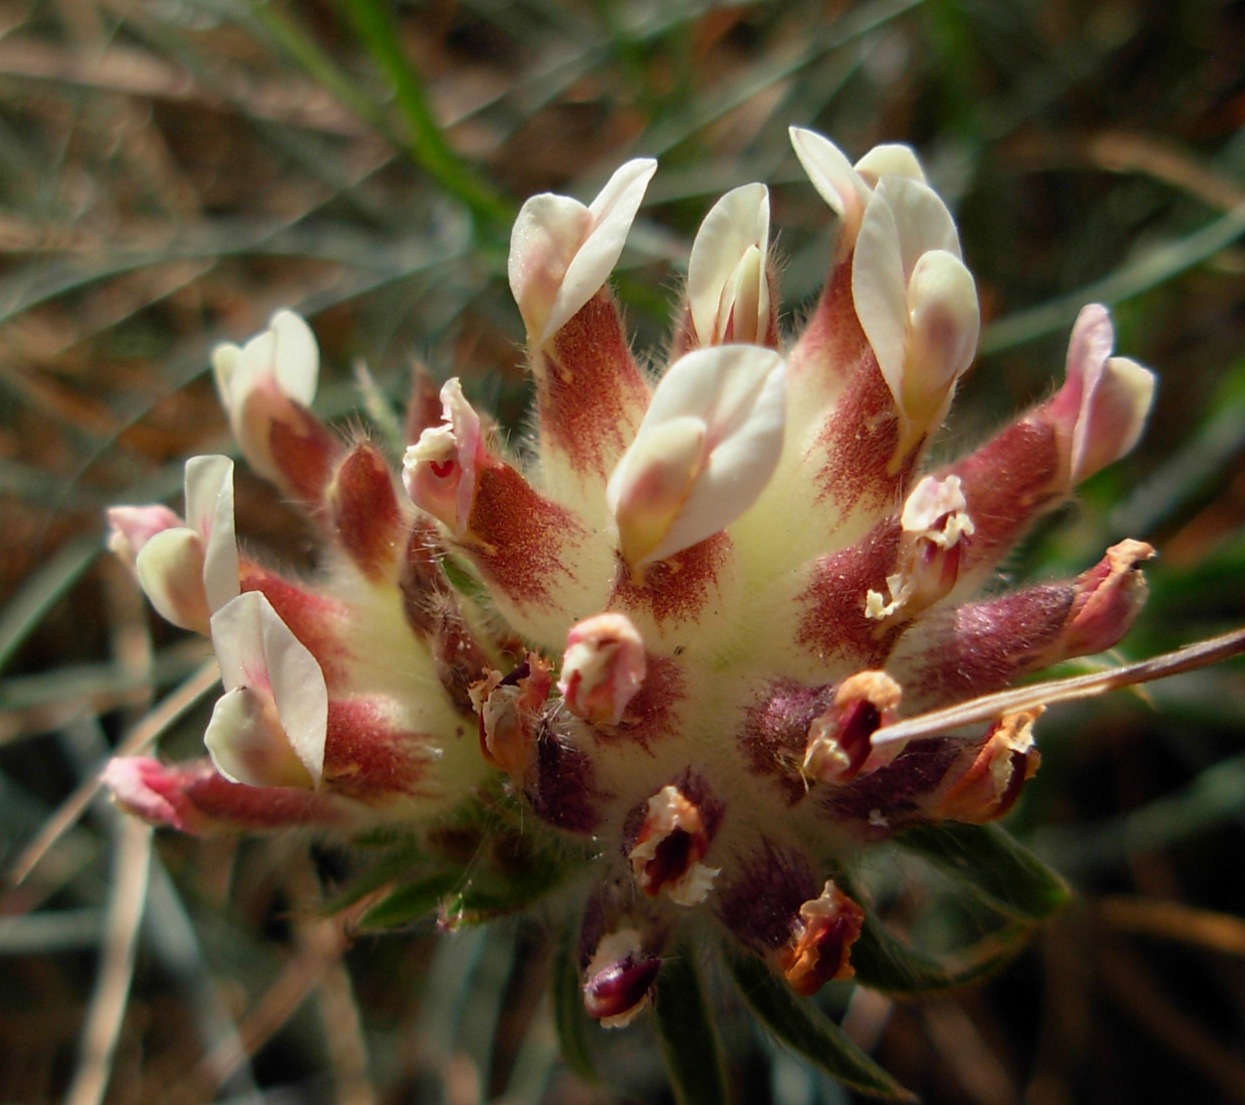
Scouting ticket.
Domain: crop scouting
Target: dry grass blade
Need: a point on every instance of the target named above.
(991, 707)
(143, 734)
(132, 841)
(1136, 993)
(1217, 932)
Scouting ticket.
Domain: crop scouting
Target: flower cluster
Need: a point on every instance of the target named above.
(656, 642)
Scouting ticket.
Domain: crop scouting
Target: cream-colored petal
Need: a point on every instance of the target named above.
(209, 511)
(727, 264)
(256, 649)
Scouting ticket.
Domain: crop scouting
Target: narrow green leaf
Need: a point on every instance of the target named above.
(689, 1040)
(997, 866)
(883, 962)
(411, 901)
(569, 1016)
(807, 1031)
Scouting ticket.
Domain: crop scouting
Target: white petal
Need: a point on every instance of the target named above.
(921, 219)
(225, 360)
(170, 571)
(256, 649)
(944, 321)
(561, 252)
(248, 745)
(836, 181)
(613, 212)
(548, 231)
(736, 224)
(1113, 416)
(879, 289)
(209, 511)
(295, 357)
(1092, 340)
(739, 393)
(131, 527)
(890, 159)
(651, 485)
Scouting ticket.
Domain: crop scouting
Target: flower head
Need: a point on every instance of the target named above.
(666, 652)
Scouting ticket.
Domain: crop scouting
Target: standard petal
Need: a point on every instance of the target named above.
(879, 290)
(732, 234)
(209, 510)
(1089, 346)
(295, 357)
(836, 181)
(613, 212)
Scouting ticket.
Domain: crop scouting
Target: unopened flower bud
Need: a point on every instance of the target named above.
(820, 946)
(619, 979)
(671, 842)
(1110, 596)
(602, 668)
(709, 442)
(839, 740)
(985, 785)
(150, 790)
(363, 511)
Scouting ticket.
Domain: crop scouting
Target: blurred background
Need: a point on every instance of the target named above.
(171, 171)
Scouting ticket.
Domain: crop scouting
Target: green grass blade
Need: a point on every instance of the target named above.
(427, 145)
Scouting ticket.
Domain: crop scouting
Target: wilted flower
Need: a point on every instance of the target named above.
(679, 636)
